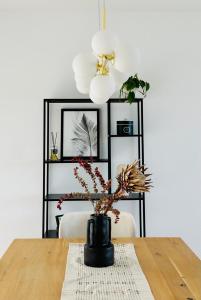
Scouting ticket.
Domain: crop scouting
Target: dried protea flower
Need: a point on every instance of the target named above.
(132, 178)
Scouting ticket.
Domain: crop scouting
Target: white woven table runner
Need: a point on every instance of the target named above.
(124, 280)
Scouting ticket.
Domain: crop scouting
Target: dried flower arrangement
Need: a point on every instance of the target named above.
(132, 178)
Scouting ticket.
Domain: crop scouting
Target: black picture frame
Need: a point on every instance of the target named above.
(64, 112)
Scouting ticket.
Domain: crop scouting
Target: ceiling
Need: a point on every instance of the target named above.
(119, 5)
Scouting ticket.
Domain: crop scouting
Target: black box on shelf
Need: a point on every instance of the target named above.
(125, 127)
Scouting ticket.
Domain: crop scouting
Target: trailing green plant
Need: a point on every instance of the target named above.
(133, 85)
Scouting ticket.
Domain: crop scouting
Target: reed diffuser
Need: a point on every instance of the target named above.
(54, 150)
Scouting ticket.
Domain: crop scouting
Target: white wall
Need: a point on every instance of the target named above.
(36, 51)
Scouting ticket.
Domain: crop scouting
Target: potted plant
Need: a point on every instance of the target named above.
(99, 250)
(132, 86)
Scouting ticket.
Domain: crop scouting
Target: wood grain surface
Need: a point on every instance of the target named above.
(33, 269)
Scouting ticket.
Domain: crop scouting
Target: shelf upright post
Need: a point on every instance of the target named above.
(47, 154)
(139, 162)
(109, 140)
(44, 173)
(143, 200)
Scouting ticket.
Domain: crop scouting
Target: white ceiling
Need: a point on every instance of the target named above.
(119, 5)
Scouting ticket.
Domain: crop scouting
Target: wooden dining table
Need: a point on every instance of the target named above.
(33, 269)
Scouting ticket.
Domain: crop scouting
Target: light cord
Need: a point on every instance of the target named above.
(99, 17)
(104, 16)
(101, 14)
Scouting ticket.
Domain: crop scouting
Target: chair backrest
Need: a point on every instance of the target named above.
(74, 224)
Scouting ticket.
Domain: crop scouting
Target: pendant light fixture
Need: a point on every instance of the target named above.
(102, 72)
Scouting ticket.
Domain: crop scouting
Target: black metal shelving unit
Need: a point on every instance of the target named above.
(49, 198)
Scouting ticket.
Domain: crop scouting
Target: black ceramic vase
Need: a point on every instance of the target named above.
(99, 251)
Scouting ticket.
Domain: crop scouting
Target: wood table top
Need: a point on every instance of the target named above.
(33, 269)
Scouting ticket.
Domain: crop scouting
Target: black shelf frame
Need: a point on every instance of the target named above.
(49, 198)
(64, 161)
(125, 136)
(56, 197)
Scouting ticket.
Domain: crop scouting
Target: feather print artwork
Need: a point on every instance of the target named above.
(79, 133)
(85, 137)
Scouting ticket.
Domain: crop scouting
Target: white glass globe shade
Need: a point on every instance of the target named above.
(82, 88)
(102, 86)
(98, 100)
(83, 79)
(124, 60)
(119, 77)
(103, 42)
(85, 64)
(83, 83)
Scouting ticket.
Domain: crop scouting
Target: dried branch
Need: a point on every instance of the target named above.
(104, 184)
(88, 169)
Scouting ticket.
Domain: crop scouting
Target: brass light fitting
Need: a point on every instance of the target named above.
(102, 65)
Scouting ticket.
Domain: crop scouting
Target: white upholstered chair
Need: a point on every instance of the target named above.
(74, 224)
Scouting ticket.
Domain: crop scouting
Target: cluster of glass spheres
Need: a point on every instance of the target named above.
(100, 79)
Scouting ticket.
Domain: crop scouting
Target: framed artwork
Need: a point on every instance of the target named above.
(79, 133)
